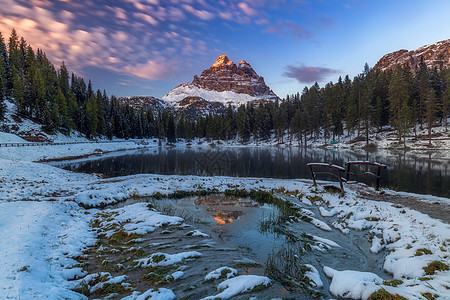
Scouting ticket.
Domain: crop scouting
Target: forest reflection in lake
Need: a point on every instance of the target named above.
(423, 173)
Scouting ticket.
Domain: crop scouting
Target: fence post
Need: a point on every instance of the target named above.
(347, 171)
(340, 181)
(378, 177)
(312, 175)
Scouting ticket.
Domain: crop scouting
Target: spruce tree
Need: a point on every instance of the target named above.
(91, 116)
(2, 87)
(399, 97)
(430, 106)
(170, 134)
(243, 126)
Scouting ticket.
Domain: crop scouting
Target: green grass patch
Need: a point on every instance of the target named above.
(314, 198)
(246, 265)
(393, 283)
(435, 266)
(82, 288)
(430, 296)
(121, 237)
(422, 251)
(157, 258)
(382, 294)
(159, 275)
(110, 288)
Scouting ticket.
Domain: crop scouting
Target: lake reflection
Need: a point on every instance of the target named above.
(424, 173)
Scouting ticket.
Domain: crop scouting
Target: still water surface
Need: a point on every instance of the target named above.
(423, 173)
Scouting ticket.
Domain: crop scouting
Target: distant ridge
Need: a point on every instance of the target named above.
(434, 55)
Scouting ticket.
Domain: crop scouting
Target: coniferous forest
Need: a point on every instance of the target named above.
(403, 99)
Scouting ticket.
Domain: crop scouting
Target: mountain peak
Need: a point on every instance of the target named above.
(221, 62)
(224, 75)
(222, 84)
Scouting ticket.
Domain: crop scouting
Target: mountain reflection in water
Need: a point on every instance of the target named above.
(220, 207)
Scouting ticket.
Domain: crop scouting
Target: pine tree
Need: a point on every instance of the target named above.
(2, 84)
(430, 106)
(181, 127)
(243, 126)
(18, 91)
(170, 134)
(399, 98)
(423, 83)
(230, 123)
(91, 116)
(446, 97)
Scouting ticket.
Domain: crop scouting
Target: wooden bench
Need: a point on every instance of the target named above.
(338, 171)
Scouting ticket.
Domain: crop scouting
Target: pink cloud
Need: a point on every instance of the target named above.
(150, 70)
(147, 18)
(201, 14)
(247, 9)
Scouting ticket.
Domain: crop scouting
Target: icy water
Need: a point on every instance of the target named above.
(231, 236)
(422, 173)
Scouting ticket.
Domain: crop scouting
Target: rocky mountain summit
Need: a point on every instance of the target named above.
(437, 54)
(225, 75)
(224, 82)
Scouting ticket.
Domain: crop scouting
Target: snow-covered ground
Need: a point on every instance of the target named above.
(45, 225)
(43, 228)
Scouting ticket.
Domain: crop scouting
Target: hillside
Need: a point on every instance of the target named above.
(434, 55)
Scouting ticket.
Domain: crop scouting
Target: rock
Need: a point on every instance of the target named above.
(434, 55)
(224, 75)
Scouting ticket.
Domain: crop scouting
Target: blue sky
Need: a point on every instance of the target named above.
(147, 47)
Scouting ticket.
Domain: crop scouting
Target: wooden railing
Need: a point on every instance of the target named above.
(337, 171)
(65, 143)
(366, 163)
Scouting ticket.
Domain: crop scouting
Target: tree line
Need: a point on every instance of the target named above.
(62, 101)
(404, 99)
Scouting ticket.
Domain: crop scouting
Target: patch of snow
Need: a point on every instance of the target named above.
(111, 280)
(352, 284)
(320, 224)
(164, 259)
(326, 241)
(138, 218)
(218, 272)
(197, 233)
(377, 245)
(38, 241)
(176, 275)
(243, 283)
(11, 138)
(154, 294)
(313, 276)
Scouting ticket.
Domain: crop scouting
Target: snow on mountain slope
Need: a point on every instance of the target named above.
(226, 97)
